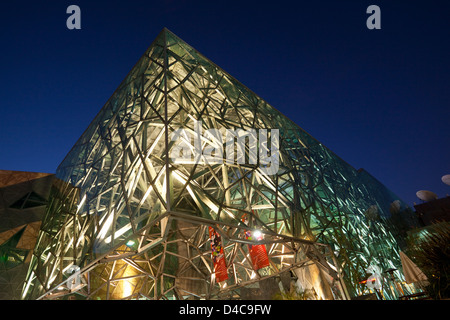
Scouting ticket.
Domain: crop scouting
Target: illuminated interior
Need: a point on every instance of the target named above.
(136, 222)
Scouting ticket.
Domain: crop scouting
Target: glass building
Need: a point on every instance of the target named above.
(135, 203)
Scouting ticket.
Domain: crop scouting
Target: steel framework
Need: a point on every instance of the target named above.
(136, 222)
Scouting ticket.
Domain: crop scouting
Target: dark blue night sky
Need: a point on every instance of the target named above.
(380, 99)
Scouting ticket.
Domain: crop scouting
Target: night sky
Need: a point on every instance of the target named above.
(379, 99)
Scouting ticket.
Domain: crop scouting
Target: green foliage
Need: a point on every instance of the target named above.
(295, 294)
(431, 253)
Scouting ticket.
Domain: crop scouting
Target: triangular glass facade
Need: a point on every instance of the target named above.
(134, 217)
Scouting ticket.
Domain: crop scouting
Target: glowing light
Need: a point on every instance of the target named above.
(127, 289)
(28, 284)
(128, 283)
(106, 226)
(147, 194)
(178, 177)
(367, 280)
(81, 203)
(118, 233)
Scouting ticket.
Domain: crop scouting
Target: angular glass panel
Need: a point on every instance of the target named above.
(30, 200)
